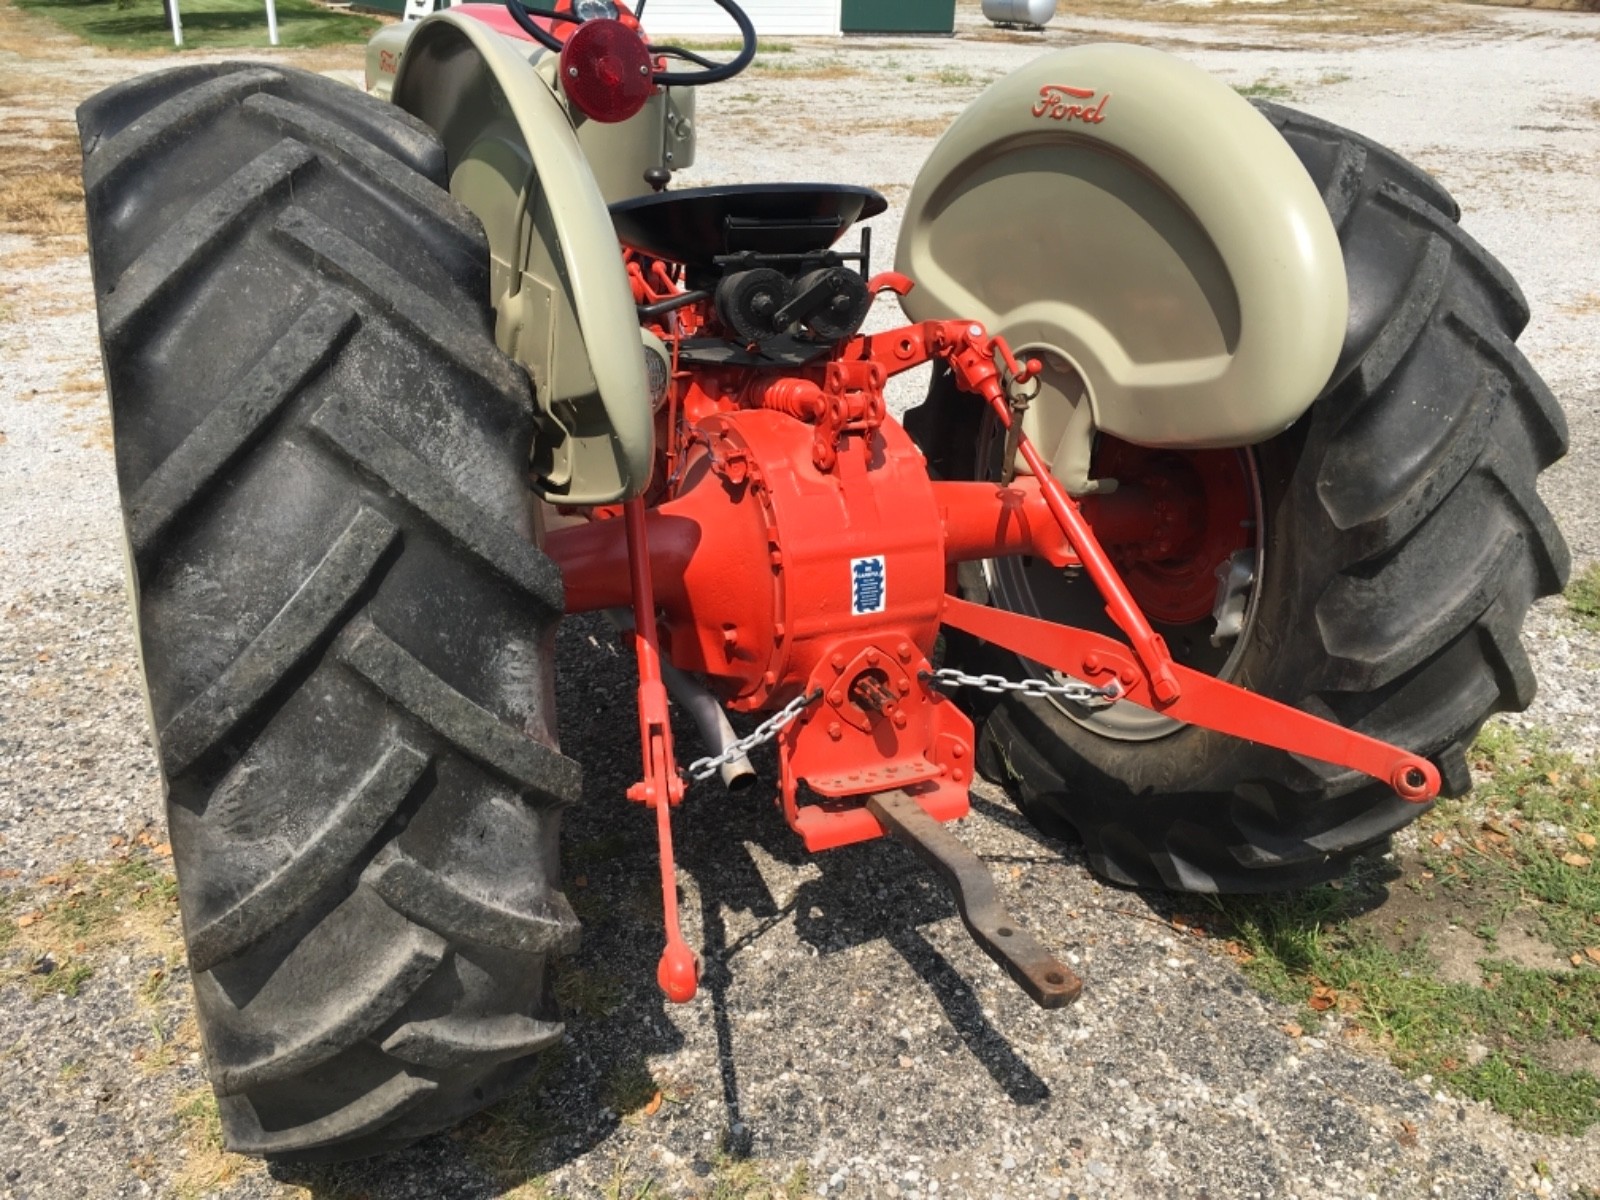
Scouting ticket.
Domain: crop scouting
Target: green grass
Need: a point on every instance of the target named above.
(1303, 951)
(8, 929)
(1265, 89)
(1536, 844)
(832, 66)
(584, 993)
(66, 979)
(1521, 844)
(74, 916)
(509, 1140)
(207, 24)
(91, 910)
(733, 46)
(746, 1179)
(629, 1086)
(1583, 598)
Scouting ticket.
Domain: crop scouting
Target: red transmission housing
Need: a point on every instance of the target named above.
(802, 552)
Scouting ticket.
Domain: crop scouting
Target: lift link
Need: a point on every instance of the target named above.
(678, 972)
(1207, 702)
(971, 354)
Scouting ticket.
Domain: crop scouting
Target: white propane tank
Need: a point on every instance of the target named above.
(1034, 13)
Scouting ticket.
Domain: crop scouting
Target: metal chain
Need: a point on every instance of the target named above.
(1072, 689)
(705, 768)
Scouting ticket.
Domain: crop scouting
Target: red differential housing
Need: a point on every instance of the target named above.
(793, 555)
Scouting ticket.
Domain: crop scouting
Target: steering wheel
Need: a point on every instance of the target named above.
(583, 10)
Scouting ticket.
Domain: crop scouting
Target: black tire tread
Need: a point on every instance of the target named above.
(1421, 541)
(322, 459)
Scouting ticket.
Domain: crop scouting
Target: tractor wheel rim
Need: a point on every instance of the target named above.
(1036, 589)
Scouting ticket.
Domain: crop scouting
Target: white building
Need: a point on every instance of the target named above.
(772, 18)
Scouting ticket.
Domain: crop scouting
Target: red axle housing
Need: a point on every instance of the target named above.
(794, 548)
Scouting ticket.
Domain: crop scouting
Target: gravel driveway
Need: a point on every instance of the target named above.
(848, 1036)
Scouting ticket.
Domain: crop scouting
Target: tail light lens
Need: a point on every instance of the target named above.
(605, 71)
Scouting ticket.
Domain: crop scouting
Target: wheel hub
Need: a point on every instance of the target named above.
(1183, 529)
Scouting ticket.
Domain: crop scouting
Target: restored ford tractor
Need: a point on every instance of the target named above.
(1211, 540)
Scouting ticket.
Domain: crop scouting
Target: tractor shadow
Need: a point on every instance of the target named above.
(746, 877)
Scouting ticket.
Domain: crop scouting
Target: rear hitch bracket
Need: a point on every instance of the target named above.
(1048, 981)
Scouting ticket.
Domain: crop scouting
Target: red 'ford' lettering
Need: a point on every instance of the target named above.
(1053, 103)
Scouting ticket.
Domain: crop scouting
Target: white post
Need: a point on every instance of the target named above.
(272, 22)
(177, 22)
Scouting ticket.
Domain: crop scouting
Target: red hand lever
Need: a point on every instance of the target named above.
(661, 785)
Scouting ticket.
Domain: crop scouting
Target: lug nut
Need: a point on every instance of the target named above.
(904, 651)
(835, 730)
(899, 719)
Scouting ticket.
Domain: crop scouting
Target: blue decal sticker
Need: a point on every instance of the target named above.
(866, 585)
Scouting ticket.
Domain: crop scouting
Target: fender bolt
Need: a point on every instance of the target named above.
(835, 730)
(899, 720)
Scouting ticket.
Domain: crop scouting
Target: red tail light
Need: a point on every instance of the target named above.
(605, 71)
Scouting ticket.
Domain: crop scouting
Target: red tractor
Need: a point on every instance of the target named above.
(1211, 540)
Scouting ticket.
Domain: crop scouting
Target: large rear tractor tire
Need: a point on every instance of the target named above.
(1400, 542)
(345, 627)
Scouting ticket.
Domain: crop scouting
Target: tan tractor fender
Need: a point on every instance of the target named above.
(560, 292)
(1135, 224)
